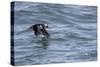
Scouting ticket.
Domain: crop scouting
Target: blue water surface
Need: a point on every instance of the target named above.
(72, 30)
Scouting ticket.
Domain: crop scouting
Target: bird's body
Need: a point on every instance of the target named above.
(40, 29)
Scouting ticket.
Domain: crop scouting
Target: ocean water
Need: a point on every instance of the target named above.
(72, 29)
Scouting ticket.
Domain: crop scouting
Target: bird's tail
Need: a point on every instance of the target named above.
(24, 31)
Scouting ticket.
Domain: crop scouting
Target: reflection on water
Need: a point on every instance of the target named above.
(72, 29)
(43, 42)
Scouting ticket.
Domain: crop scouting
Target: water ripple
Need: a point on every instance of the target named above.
(72, 29)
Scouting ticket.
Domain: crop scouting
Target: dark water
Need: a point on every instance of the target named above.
(72, 30)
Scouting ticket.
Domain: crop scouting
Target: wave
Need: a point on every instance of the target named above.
(72, 31)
